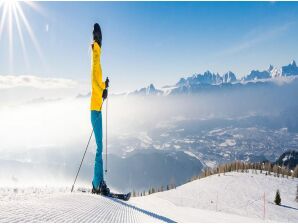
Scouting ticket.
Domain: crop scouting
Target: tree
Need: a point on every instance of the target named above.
(277, 199)
(275, 170)
(295, 172)
(153, 190)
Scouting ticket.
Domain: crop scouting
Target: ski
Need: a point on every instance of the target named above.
(124, 197)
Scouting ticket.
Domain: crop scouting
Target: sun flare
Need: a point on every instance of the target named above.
(12, 14)
(10, 2)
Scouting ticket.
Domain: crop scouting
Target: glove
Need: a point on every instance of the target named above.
(105, 94)
(107, 82)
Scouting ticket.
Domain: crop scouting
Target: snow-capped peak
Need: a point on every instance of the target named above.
(229, 77)
(290, 70)
(208, 79)
(256, 74)
(149, 90)
(276, 72)
(271, 67)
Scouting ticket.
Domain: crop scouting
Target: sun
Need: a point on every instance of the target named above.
(11, 14)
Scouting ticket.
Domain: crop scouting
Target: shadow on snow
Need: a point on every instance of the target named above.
(154, 215)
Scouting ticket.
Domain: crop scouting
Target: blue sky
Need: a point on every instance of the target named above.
(152, 42)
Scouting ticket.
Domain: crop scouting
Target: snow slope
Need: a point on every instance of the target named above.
(239, 194)
(76, 207)
(235, 197)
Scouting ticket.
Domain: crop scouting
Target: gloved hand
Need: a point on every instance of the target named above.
(105, 94)
(107, 82)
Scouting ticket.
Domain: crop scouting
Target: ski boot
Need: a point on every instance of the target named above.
(95, 190)
(104, 190)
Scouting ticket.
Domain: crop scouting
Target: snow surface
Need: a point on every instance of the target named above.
(234, 197)
(71, 207)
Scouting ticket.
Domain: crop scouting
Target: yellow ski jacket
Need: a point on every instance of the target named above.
(96, 79)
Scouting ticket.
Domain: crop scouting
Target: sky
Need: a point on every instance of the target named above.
(147, 42)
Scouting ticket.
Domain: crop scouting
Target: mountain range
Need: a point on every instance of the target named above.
(209, 80)
(288, 159)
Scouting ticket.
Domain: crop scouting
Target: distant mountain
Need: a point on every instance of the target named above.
(190, 84)
(288, 159)
(255, 74)
(214, 81)
(229, 77)
(147, 169)
(139, 171)
(209, 81)
(290, 69)
(207, 78)
(273, 72)
(150, 90)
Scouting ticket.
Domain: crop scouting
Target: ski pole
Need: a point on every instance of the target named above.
(106, 170)
(84, 154)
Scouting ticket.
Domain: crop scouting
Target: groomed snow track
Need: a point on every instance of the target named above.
(76, 207)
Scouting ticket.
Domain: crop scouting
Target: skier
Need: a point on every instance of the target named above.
(99, 93)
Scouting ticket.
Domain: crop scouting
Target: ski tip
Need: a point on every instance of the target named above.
(127, 197)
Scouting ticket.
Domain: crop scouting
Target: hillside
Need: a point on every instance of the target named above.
(234, 193)
(234, 197)
(288, 159)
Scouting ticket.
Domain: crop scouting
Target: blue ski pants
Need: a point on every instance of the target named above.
(96, 120)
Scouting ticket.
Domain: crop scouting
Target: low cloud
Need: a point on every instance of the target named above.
(10, 81)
